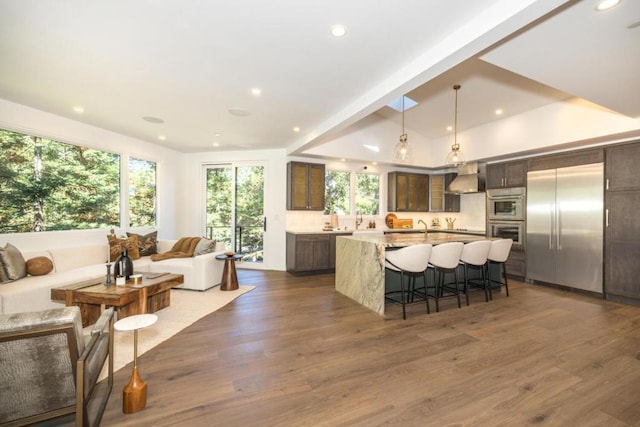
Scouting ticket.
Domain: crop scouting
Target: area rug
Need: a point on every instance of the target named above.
(186, 308)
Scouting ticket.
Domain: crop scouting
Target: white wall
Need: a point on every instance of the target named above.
(193, 198)
(170, 176)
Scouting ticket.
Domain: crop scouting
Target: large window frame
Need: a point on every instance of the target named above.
(351, 201)
(50, 185)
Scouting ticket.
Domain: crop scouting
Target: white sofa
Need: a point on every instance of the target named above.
(33, 293)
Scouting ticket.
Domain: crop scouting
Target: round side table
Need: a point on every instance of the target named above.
(134, 395)
(229, 276)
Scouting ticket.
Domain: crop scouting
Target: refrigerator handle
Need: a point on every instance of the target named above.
(606, 217)
(558, 231)
(551, 226)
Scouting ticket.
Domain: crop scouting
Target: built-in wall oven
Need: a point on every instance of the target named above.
(506, 204)
(506, 213)
(514, 230)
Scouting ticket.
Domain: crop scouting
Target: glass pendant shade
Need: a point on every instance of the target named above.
(402, 151)
(455, 156)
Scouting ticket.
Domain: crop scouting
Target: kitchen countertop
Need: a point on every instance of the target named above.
(394, 230)
(394, 240)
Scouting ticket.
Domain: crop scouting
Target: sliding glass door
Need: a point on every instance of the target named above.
(235, 208)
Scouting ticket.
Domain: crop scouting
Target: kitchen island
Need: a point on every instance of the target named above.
(360, 272)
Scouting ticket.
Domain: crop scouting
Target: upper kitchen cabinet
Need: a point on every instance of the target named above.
(508, 174)
(408, 192)
(439, 200)
(622, 168)
(305, 186)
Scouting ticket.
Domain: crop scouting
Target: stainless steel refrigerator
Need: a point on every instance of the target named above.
(565, 209)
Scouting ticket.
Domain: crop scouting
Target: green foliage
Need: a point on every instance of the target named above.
(49, 185)
(142, 193)
(367, 193)
(248, 206)
(337, 192)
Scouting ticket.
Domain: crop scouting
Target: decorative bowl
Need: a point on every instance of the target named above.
(230, 253)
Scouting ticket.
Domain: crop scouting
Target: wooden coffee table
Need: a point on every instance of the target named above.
(92, 296)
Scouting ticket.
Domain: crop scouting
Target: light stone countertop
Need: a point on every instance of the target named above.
(394, 230)
(397, 240)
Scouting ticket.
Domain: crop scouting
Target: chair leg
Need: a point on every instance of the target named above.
(455, 273)
(466, 283)
(485, 282)
(402, 295)
(435, 291)
(426, 291)
(504, 272)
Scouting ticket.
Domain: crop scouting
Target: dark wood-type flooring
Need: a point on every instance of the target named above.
(293, 352)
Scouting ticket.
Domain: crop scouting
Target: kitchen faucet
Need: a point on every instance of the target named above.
(358, 221)
(425, 225)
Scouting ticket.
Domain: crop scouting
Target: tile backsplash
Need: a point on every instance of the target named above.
(472, 216)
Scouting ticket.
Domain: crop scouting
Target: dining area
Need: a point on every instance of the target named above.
(376, 270)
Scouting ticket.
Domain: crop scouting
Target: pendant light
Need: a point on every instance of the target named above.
(402, 151)
(455, 157)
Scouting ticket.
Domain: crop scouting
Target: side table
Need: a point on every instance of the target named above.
(134, 395)
(229, 276)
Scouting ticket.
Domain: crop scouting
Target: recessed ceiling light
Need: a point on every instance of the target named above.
(256, 91)
(296, 129)
(216, 134)
(374, 163)
(606, 4)
(151, 119)
(449, 128)
(216, 144)
(240, 112)
(498, 111)
(343, 160)
(78, 109)
(162, 137)
(338, 30)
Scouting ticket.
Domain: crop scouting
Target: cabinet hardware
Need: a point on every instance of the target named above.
(607, 184)
(606, 217)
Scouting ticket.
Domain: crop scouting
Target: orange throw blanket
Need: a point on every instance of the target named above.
(183, 248)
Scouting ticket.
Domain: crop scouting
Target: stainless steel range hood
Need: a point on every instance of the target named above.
(470, 179)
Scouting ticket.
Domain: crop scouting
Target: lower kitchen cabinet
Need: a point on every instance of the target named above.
(311, 253)
(516, 264)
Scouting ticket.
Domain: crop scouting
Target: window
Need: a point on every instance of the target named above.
(367, 193)
(49, 185)
(337, 192)
(142, 193)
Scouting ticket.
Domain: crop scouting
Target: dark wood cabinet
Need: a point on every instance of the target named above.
(439, 200)
(506, 175)
(407, 192)
(622, 224)
(305, 186)
(311, 253)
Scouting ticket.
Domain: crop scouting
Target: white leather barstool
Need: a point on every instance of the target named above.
(445, 259)
(474, 255)
(413, 261)
(498, 254)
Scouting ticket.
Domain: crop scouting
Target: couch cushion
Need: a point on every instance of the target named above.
(147, 244)
(12, 263)
(65, 259)
(39, 266)
(205, 246)
(119, 244)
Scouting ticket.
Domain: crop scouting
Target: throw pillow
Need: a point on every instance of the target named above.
(39, 266)
(12, 262)
(204, 246)
(3, 275)
(147, 244)
(119, 244)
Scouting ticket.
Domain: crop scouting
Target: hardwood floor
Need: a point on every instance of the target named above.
(293, 352)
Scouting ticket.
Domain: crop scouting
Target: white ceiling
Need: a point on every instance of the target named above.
(189, 62)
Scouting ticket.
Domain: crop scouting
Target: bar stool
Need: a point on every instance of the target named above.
(445, 259)
(498, 254)
(412, 261)
(474, 255)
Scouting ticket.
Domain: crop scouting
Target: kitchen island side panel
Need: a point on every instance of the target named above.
(360, 272)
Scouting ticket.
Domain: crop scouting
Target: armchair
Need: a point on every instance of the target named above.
(49, 370)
